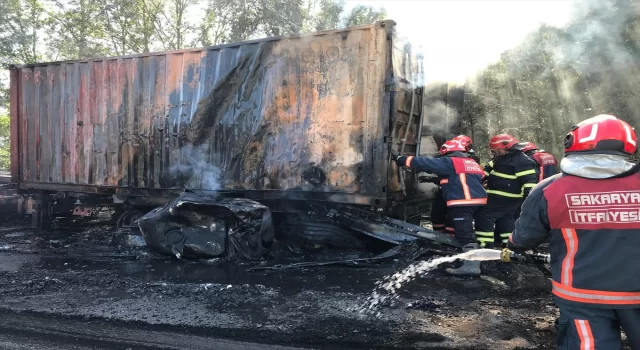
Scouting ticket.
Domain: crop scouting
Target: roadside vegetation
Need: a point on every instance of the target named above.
(558, 77)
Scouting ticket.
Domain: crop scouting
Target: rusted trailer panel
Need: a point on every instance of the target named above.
(309, 117)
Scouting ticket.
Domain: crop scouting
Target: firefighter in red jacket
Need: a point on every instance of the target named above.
(439, 219)
(462, 190)
(591, 211)
(510, 175)
(546, 162)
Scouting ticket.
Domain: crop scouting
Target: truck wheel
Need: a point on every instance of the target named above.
(129, 218)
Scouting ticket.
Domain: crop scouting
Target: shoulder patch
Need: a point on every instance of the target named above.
(467, 166)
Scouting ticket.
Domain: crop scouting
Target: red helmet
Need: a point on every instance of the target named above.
(502, 141)
(465, 141)
(452, 146)
(603, 133)
(528, 146)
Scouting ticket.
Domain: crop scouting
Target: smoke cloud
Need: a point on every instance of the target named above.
(195, 170)
(441, 119)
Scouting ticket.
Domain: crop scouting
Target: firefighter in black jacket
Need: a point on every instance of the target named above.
(510, 175)
(462, 190)
(592, 213)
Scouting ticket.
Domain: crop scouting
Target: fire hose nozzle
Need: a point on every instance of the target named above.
(505, 255)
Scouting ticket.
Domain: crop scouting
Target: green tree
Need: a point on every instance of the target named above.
(361, 15)
(4, 91)
(77, 29)
(5, 155)
(236, 20)
(21, 22)
(173, 27)
(131, 24)
(148, 14)
(230, 21)
(213, 27)
(328, 15)
(281, 17)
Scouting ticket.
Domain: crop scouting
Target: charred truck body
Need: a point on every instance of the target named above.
(308, 118)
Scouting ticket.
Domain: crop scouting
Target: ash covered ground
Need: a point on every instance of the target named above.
(84, 283)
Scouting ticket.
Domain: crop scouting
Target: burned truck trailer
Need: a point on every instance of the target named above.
(279, 120)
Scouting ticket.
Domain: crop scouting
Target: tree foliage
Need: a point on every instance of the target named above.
(21, 24)
(558, 77)
(5, 156)
(80, 29)
(361, 15)
(131, 25)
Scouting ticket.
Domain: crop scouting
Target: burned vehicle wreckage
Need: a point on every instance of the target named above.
(288, 134)
(205, 226)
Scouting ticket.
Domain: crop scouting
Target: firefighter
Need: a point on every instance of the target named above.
(590, 211)
(547, 164)
(468, 145)
(510, 175)
(439, 219)
(462, 190)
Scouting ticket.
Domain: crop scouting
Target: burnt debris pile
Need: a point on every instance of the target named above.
(201, 226)
(197, 226)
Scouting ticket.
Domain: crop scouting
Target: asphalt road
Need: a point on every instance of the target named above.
(41, 331)
(81, 288)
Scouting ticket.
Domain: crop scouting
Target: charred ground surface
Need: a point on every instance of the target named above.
(83, 283)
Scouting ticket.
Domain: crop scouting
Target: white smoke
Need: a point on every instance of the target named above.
(440, 118)
(197, 168)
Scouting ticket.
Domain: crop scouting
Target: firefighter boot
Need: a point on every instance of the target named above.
(469, 267)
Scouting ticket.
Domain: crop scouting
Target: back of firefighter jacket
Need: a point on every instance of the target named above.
(511, 176)
(461, 177)
(547, 163)
(595, 237)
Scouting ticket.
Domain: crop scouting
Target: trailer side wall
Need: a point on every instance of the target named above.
(304, 114)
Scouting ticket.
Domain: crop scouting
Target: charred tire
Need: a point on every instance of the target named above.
(313, 235)
(129, 218)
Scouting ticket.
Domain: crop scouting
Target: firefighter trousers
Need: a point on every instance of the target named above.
(594, 328)
(462, 220)
(497, 216)
(439, 212)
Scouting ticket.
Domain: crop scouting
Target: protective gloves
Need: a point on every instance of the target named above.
(516, 249)
(400, 160)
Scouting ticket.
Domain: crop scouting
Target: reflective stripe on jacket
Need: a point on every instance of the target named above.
(594, 226)
(460, 177)
(512, 175)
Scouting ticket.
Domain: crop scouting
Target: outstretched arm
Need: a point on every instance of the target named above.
(439, 166)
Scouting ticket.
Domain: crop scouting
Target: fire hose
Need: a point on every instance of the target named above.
(537, 259)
